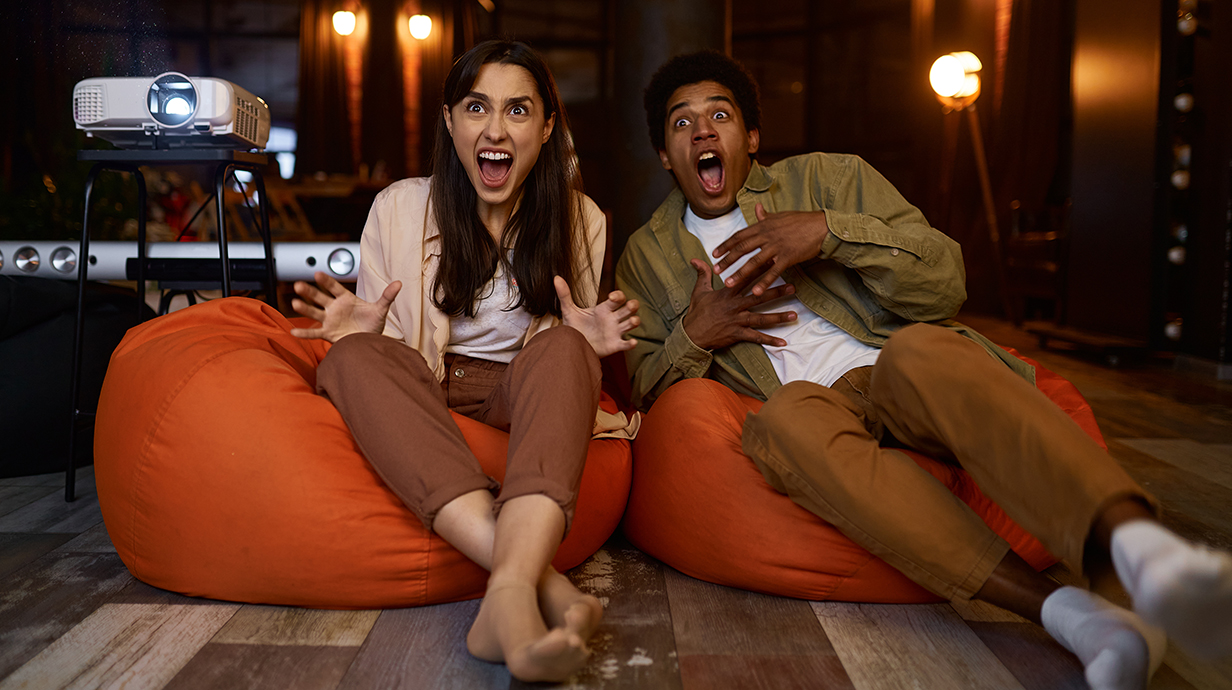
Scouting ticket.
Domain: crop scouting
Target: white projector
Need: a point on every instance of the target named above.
(171, 111)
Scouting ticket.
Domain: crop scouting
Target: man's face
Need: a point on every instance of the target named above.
(708, 147)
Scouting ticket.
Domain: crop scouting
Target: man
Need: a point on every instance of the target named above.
(827, 274)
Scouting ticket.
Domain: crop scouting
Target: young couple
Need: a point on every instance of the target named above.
(804, 284)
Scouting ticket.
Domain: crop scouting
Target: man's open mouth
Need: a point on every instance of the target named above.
(494, 167)
(710, 172)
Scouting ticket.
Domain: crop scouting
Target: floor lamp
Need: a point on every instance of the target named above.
(956, 80)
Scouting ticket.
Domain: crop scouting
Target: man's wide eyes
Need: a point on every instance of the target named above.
(718, 115)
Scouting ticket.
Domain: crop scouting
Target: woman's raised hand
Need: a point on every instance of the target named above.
(604, 325)
(339, 310)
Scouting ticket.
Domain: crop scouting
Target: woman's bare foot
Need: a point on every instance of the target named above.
(558, 597)
(509, 629)
(554, 657)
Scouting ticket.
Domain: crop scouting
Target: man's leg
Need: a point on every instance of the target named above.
(814, 444)
(1026, 454)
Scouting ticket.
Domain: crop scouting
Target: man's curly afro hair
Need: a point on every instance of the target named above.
(707, 65)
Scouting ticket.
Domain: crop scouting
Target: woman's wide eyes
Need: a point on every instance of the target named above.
(517, 110)
(682, 122)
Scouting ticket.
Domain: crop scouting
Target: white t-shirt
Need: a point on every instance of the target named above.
(816, 350)
(496, 332)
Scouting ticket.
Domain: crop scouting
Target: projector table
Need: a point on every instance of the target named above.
(128, 160)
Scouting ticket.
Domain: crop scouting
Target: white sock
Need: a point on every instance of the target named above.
(1183, 587)
(1117, 648)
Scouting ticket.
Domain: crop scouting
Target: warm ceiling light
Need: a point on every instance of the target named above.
(421, 26)
(344, 22)
(956, 75)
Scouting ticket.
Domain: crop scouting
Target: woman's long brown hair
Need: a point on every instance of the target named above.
(545, 233)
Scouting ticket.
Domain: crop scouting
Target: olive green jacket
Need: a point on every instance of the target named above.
(881, 267)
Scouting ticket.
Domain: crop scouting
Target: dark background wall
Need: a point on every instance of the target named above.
(1116, 103)
(1076, 106)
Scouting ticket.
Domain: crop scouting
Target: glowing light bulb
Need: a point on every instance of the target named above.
(947, 76)
(1184, 102)
(421, 26)
(344, 22)
(956, 75)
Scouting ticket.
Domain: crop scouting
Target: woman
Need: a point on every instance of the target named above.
(474, 269)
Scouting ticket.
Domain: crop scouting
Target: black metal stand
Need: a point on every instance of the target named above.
(225, 161)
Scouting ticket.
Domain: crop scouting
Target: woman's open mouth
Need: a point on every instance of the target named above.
(494, 167)
(710, 172)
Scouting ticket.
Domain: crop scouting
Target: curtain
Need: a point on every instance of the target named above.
(1031, 146)
(324, 129)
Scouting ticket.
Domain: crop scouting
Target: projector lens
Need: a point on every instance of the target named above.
(64, 260)
(341, 262)
(172, 100)
(178, 106)
(26, 259)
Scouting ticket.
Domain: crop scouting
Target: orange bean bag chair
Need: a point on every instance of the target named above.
(222, 474)
(700, 505)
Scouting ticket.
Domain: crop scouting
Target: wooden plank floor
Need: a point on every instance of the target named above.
(71, 616)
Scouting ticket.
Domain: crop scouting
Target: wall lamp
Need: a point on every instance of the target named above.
(421, 26)
(344, 22)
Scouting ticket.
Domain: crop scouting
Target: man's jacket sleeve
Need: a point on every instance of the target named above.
(911, 268)
(663, 354)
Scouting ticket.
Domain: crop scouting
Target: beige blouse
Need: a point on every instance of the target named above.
(402, 242)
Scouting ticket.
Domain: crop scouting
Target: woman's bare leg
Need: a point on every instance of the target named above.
(468, 525)
(527, 533)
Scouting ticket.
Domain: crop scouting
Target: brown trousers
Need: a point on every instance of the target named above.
(941, 394)
(399, 414)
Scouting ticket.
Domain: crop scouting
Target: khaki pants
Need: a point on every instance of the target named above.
(941, 394)
(399, 414)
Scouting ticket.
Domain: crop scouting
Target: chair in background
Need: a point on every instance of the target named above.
(1035, 263)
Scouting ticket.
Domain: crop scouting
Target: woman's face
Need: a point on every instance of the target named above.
(498, 129)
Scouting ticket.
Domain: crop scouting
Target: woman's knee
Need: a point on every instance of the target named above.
(563, 346)
(362, 354)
